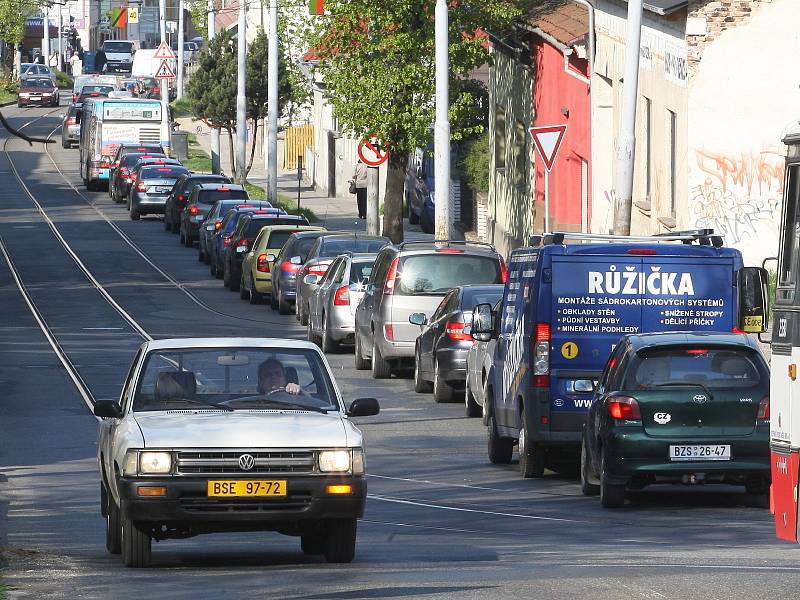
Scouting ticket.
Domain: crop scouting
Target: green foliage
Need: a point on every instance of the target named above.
(212, 89)
(12, 20)
(198, 9)
(181, 107)
(475, 163)
(63, 81)
(288, 204)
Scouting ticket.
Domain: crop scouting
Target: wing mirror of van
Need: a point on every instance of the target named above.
(753, 302)
(482, 325)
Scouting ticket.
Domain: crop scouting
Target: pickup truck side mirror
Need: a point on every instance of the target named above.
(482, 323)
(753, 299)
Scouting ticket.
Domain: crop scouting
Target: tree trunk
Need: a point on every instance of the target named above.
(231, 154)
(393, 199)
(252, 147)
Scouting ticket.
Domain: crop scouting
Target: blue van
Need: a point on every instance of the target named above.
(566, 305)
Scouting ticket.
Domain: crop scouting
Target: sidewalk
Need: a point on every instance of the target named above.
(333, 213)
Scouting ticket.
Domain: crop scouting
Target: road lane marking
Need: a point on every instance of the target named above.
(468, 510)
(415, 526)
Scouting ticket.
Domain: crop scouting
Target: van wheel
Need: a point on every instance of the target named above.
(361, 363)
(340, 541)
(136, 545)
(113, 526)
(500, 449)
(420, 385)
(612, 495)
(471, 408)
(531, 456)
(381, 369)
(590, 486)
(442, 391)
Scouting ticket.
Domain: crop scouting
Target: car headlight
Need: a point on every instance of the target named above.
(155, 463)
(331, 461)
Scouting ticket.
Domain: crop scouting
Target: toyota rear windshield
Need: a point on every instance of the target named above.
(439, 272)
(714, 368)
(211, 196)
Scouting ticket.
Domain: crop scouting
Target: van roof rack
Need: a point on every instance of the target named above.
(704, 237)
(448, 243)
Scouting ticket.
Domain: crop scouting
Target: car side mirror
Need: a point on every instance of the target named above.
(418, 318)
(296, 260)
(364, 407)
(311, 279)
(482, 323)
(107, 409)
(270, 257)
(753, 299)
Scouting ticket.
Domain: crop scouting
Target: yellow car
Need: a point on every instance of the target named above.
(256, 277)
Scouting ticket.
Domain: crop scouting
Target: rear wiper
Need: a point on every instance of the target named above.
(685, 384)
(202, 403)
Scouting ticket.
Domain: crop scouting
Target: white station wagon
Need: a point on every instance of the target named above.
(231, 434)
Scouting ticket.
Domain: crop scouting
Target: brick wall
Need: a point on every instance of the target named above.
(707, 19)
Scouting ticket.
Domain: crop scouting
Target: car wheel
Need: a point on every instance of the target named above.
(273, 299)
(243, 293)
(312, 544)
(590, 486)
(226, 275)
(187, 240)
(381, 369)
(284, 308)
(136, 545)
(531, 456)
(181, 237)
(255, 296)
(471, 408)
(421, 386)
(135, 216)
(442, 391)
(175, 227)
(167, 224)
(64, 144)
(361, 363)
(113, 526)
(201, 255)
(311, 336)
(340, 541)
(612, 495)
(499, 449)
(328, 343)
(303, 314)
(213, 268)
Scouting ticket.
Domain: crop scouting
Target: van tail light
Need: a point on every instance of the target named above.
(503, 271)
(193, 210)
(541, 355)
(624, 408)
(391, 279)
(342, 296)
(262, 264)
(763, 409)
(389, 331)
(455, 331)
(288, 267)
(140, 186)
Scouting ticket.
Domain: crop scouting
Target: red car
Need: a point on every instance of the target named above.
(37, 91)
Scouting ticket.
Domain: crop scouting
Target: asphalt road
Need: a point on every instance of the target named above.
(441, 522)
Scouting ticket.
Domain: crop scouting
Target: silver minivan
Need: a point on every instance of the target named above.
(408, 278)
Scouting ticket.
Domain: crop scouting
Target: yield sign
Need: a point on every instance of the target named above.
(547, 141)
(372, 152)
(164, 72)
(164, 51)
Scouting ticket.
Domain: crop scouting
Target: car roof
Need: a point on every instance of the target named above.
(361, 256)
(304, 234)
(679, 338)
(231, 186)
(426, 246)
(228, 342)
(338, 235)
(196, 175)
(294, 228)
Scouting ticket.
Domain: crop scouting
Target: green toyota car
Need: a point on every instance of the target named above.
(688, 408)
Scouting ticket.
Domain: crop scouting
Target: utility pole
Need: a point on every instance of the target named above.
(626, 143)
(373, 208)
(180, 50)
(60, 41)
(46, 33)
(441, 139)
(241, 94)
(272, 104)
(212, 31)
(165, 124)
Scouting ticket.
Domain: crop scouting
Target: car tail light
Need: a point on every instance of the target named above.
(223, 189)
(642, 251)
(763, 409)
(541, 355)
(262, 264)
(193, 210)
(449, 251)
(124, 171)
(342, 296)
(217, 224)
(388, 329)
(455, 331)
(697, 351)
(156, 89)
(140, 186)
(736, 330)
(244, 205)
(625, 408)
(74, 98)
(226, 240)
(503, 271)
(391, 278)
(318, 269)
(242, 243)
(181, 198)
(289, 267)
(70, 121)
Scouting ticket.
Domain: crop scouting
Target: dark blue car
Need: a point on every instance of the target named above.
(217, 245)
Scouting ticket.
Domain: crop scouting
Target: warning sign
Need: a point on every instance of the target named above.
(164, 71)
(164, 51)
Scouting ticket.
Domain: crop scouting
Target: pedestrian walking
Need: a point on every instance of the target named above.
(358, 185)
(75, 64)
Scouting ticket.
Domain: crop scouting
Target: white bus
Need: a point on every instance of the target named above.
(108, 123)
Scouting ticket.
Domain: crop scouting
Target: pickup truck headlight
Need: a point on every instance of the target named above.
(151, 463)
(334, 461)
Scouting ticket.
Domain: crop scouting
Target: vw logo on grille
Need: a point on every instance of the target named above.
(246, 462)
(699, 398)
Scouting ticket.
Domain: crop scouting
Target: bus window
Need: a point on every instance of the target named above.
(791, 229)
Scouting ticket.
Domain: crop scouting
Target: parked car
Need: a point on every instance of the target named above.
(272, 447)
(220, 241)
(200, 201)
(122, 171)
(440, 355)
(288, 264)
(37, 91)
(322, 253)
(176, 201)
(256, 283)
(71, 127)
(332, 306)
(242, 238)
(150, 188)
(30, 70)
(413, 277)
(678, 408)
(479, 361)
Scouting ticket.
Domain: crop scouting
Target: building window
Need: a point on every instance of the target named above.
(499, 138)
(673, 162)
(520, 153)
(648, 148)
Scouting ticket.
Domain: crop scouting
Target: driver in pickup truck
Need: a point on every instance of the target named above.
(272, 377)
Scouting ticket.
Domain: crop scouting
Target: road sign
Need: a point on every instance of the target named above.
(372, 151)
(164, 51)
(133, 14)
(547, 141)
(164, 71)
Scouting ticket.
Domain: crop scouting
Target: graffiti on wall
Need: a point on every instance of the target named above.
(738, 195)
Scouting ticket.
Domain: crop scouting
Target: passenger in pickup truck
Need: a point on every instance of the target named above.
(272, 377)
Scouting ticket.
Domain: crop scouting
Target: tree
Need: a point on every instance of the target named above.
(12, 23)
(377, 61)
